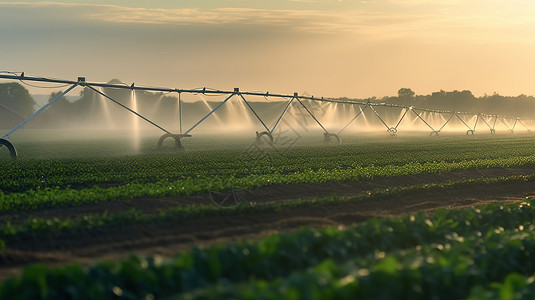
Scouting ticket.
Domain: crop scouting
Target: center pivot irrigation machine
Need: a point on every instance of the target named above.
(433, 120)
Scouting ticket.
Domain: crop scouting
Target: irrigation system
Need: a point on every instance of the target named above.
(331, 135)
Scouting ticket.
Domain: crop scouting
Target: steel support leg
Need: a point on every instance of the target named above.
(179, 113)
(401, 119)
(444, 125)
(506, 125)
(254, 112)
(522, 123)
(354, 118)
(425, 122)
(327, 135)
(475, 124)
(262, 133)
(280, 118)
(310, 113)
(492, 131)
(487, 123)
(210, 113)
(470, 130)
(378, 116)
(128, 108)
(514, 125)
(40, 110)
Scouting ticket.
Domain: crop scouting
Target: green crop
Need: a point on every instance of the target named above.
(374, 159)
(47, 197)
(480, 253)
(33, 227)
(443, 255)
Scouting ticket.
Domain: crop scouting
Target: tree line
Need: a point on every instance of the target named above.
(462, 101)
(16, 104)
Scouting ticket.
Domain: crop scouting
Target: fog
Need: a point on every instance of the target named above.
(108, 114)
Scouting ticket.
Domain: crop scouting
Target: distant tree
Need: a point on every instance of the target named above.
(441, 93)
(61, 106)
(53, 95)
(17, 98)
(405, 93)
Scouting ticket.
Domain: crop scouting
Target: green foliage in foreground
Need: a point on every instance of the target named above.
(449, 254)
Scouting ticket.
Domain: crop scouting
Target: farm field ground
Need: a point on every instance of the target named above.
(83, 201)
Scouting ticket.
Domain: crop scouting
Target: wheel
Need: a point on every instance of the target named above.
(329, 137)
(393, 131)
(492, 131)
(470, 132)
(176, 137)
(259, 136)
(434, 133)
(10, 147)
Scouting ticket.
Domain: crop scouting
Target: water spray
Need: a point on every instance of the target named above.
(266, 131)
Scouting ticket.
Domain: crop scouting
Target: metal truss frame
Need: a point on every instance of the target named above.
(265, 130)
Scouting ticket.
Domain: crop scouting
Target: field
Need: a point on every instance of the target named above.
(427, 217)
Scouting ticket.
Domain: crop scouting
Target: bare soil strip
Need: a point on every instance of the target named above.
(172, 237)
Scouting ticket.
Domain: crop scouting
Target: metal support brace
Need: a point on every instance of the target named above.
(504, 123)
(420, 117)
(522, 123)
(127, 108)
(280, 118)
(180, 112)
(211, 112)
(493, 129)
(354, 118)
(451, 117)
(420, 113)
(40, 110)
(475, 124)
(382, 121)
(485, 121)
(254, 112)
(310, 113)
(463, 122)
(401, 119)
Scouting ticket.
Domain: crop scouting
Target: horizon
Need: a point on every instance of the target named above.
(72, 95)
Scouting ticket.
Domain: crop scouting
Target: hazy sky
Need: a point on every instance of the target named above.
(327, 48)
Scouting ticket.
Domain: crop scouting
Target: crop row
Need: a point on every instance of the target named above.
(69, 197)
(448, 252)
(104, 171)
(39, 227)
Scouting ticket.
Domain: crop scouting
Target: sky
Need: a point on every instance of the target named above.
(330, 48)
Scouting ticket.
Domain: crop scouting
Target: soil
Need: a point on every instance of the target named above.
(170, 238)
